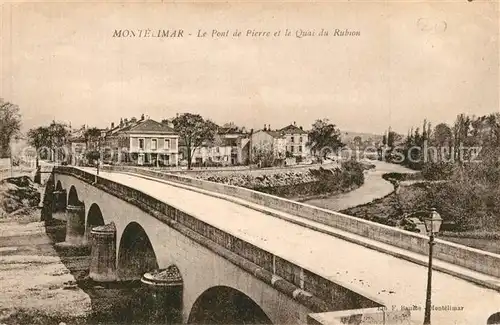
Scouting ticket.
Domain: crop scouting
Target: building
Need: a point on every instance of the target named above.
(296, 140)
(234, 144)
(229, 147)
(266, 140)
(141, 142)
(77, 147)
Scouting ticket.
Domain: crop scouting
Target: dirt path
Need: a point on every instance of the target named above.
(36, 287)
(374, 187)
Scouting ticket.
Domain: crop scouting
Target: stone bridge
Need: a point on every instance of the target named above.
(239, 256)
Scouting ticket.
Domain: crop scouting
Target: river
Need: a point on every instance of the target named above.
(373, 188)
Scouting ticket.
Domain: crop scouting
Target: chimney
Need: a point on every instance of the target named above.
(269, 127)
(294, 124)
(142, 117)
(301, 128)
(112, 125)
(265, 128)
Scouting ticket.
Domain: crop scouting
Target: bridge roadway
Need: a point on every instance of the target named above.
(396, 282)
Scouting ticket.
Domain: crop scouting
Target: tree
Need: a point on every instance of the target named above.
(92, 155)
(91, 135)
(39, 138)
(442, 134)
(442, 138)
(460, 133)
(194, 130)
(231, 126)
(263, 156)
(357, 142)
(10, 124)
(58, 134)
(324, 137)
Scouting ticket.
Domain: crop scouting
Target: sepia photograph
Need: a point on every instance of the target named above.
(250, 162)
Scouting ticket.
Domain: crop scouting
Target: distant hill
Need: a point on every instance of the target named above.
(348, 136)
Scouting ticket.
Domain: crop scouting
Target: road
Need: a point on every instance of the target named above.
(374, 187)
(395, 281)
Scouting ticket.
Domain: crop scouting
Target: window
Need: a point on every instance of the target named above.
(167, 144)
(141, 144)
(300, 148)
(300, 139)
(293, 148)
(154, 144)
(291, 139)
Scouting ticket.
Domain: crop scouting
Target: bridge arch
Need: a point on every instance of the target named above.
(94, 219)
(73, 197)
(136, 255)
(494, 319)
(226, 305)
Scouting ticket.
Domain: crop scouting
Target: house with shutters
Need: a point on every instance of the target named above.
(296, 140)
(141, 142)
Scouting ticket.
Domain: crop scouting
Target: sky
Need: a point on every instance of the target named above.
(411, 61)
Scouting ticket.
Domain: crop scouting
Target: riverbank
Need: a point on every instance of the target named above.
(294, 183)
(373, 188)
(413, 194)
(38, 287)
(44, 285)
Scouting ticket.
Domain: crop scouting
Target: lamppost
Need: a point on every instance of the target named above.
(432, 224)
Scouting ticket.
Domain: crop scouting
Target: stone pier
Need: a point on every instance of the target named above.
(103, 253)
(59, 204)
(163, 295)
(75, 228)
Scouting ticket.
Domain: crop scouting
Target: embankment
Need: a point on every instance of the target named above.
(297, 184)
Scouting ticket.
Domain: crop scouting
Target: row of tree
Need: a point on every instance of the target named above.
(467, 155)
(469, 138)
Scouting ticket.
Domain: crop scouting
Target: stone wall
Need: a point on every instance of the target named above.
(297, 184)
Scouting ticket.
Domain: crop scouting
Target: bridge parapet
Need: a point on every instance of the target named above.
(470, 258)
(366, 316)
(311, 290)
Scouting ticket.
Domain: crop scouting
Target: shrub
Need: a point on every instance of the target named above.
(352, 172)
(437, 170)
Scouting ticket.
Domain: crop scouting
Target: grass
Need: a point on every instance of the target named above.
(391, 209)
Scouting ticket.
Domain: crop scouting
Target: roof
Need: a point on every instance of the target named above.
(229, 130)
(292, 129)
(143, 126)
(77, 135)
(274, 134)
